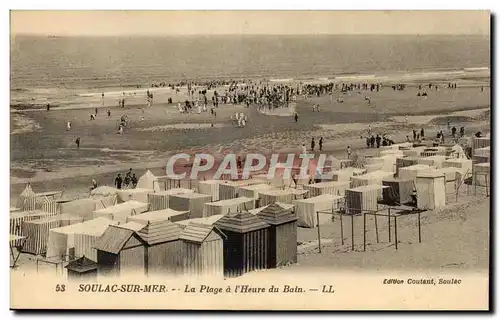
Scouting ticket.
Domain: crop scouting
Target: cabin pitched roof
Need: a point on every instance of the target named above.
(159, 232)
(113, 239)
(197, 232)
(274, 214)
(81, 265)
(242, 222)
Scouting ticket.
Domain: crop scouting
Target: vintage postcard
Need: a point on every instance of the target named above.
(250, 160)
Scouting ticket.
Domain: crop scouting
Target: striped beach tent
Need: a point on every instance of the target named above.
(27, 199)
(17, 219)
(47, 204)
(37, 231)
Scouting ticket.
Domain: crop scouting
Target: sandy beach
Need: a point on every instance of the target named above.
(43, 151)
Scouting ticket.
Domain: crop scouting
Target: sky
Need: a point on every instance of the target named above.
(107, 23)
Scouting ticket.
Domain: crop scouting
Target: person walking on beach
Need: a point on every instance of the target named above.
(96, 112)
(94, 184)
(321, 144)
(77, 141)
(377, 139)
(118, 181)
(368, 140)
(372, 141)
(313, 144)
(296, 116)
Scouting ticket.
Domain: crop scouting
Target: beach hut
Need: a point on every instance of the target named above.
(435, 151)
(336, 188)
(413, 152)
(203, 250)
(82, 269)
(463, 165)
(405, 162)
(374, 167)
(85, 207)
(192, 202)
(345, 174)
(163, 248)
(431, 190)
(398, 191)
(282, 248)
(278, 195)
(246, 243)
(103, 191)
(27, 199)
(481, 174)
(121, 211)
(137, 194)
(230, 205)
(384, 163)
(159, 215)
(252, 191)
(37, 231)
(478, 143)
(450, 178)
(61, 241)
(371, 178)
(18, 217)
(210, 187)
(375, 177)
(481, 155)
(209, 221)
(86, 236)
(359, 199)
(229, 189)
(306, 209)
(120, 251)
(410, 173)
(433, 161)
(159, 200)
(148, 181)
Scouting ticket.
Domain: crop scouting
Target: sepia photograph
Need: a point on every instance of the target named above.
(250, 160)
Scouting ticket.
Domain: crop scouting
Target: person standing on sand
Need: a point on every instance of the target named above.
(368, 140)
(133, 181)
(118, 181)
(109, 113)
(348, 152)
(304, 150)
(313, 144)
(377, 139)
(77, 141)
(321, 144)
(96, 112)
(48, 106)
(68, 126)
(296, 116)
(462, 131)
(422, 133)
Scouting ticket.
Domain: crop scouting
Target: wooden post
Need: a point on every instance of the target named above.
(396, 231)
(376, 226)
(389, 223)
(419, 232)
(352, 232)
(341, 229)
(364, 232)
(319, 232)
